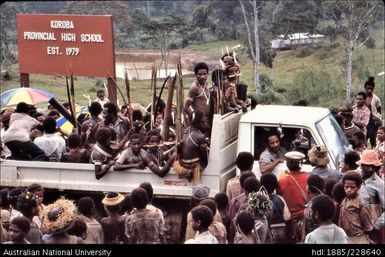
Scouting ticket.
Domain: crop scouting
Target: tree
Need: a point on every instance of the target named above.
(7, 19)
(253, 37)
(351, 18)
(293, 17)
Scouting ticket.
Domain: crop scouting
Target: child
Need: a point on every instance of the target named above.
(261, 207)
(216, 228)
(18, 229)
(354, 217)
(245, 229)
(133, 156)
(29, 206)
(322, 214)
(202, 217)
(281, 212)
(338, 195)
(75, 152)
(222, 202)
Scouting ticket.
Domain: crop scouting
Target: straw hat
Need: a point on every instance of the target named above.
(58, 217)
(319, 155)
(369, 157)
(113, 198)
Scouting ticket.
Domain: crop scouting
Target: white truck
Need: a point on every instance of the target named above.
(231, 133)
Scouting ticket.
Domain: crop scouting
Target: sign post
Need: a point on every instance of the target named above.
(49, 44)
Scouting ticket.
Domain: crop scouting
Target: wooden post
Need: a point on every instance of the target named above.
(112, 95)
(24, 79)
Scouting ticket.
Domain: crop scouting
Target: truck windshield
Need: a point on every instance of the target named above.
(333, 138)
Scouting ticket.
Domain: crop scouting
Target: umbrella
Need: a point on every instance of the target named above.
(24, 94)
(67, 126)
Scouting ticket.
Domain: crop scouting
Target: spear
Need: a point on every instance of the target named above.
(180, 100)
(167, 112)
(160, 94)
(72, 103)
(120, 91)
(69, 101)
(129, 107)
(153, 92)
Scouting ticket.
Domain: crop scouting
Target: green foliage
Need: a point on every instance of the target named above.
(290, 17)
(265, 82)
(319, 86)
(370, 43)
(303, 52)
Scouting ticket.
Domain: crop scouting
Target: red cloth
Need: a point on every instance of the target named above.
(288, 189)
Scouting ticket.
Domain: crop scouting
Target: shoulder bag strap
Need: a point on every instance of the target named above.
(300, 189)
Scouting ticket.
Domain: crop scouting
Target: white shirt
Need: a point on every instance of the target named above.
(53, 146)
(204, 238)
(20, 124)
(328, 234)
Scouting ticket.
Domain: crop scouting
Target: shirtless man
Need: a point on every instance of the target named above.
(199, 93)
(104, 152)
(193, 151)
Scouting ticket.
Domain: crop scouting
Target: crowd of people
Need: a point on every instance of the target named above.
(324, 206)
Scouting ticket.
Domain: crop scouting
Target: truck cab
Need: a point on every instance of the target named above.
(316, 126)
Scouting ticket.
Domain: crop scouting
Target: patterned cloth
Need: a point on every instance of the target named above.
(361, 116)
(145, 227)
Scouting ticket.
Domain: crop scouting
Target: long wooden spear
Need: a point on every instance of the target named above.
(69, 102)
(73, 102)
(167, 111)
(153, 94)
(129, 107)
(120, 91)
(180, 101)
(160, 94)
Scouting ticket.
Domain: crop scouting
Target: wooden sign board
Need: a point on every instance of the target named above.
(51, 44)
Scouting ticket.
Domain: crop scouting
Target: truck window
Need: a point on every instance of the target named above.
(333, 137)
(291, 139)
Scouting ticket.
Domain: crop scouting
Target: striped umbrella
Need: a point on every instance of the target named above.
(24, 94)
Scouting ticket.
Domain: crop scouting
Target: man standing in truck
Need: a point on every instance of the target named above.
(193, 151)
(273, 154)
(199, 93)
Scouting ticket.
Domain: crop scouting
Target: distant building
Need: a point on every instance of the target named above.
(295, 40)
